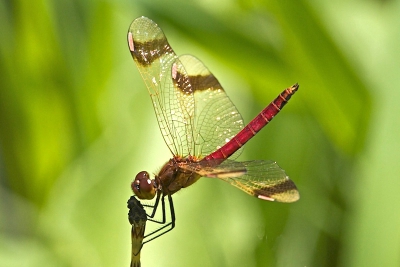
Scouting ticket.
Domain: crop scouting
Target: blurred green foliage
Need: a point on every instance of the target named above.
(76, 125)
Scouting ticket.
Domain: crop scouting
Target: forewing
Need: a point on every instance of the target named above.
(216, 119)
(155, 60)
(259, 178)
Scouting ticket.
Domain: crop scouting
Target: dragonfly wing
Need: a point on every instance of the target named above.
(155, 59)
(194, 114)
(216, 119)
(259, 178)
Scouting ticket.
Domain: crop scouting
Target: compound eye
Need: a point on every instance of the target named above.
(143, 187)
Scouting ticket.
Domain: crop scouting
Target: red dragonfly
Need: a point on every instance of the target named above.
(200, 125)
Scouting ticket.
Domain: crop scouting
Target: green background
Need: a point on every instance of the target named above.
(76, 125)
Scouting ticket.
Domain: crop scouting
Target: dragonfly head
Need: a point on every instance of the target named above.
(143, 187)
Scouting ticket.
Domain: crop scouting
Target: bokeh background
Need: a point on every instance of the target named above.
(76, 125)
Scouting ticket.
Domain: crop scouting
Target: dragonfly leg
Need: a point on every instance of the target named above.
(168, 226)
(155, 206)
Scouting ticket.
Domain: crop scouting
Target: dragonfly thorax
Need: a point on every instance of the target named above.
(172, 177)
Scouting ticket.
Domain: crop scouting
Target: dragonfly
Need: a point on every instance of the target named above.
(201, 126)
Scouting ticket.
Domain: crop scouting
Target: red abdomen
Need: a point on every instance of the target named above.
(262, 119)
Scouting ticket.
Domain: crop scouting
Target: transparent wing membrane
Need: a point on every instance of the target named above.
(263, 179)
(194, 114)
